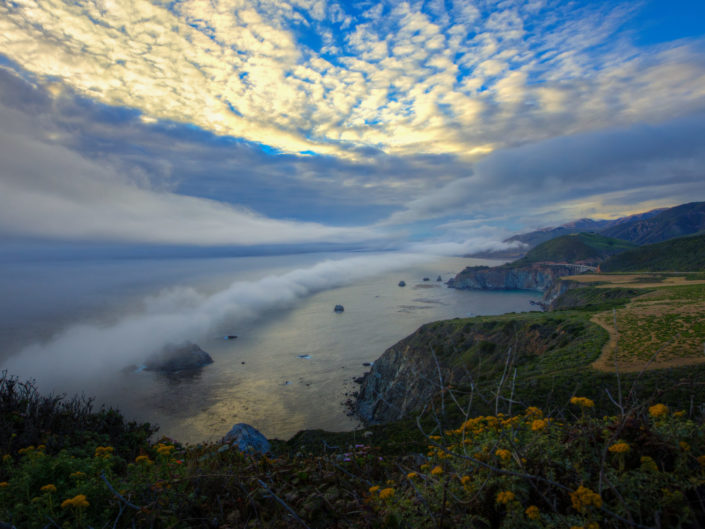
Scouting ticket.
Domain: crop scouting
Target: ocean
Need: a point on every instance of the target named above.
(76, 325)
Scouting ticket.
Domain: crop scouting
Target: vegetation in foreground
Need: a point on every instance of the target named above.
(643, 466)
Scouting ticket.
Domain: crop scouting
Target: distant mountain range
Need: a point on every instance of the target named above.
(643, 228)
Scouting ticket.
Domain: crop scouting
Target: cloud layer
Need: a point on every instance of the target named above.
(403, 77)
(49, 191)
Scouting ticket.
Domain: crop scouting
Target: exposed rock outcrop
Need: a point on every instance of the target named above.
(246, 438)
(183, 357)
(538, 276)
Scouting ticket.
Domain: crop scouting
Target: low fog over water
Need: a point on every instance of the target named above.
(74, 326)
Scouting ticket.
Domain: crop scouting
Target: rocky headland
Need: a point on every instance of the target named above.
(537, 276)
(464, 352)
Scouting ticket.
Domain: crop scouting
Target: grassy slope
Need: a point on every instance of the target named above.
(589, 247)
(683, 254)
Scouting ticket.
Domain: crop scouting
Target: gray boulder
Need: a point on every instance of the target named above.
(183, 357)
(246, 438)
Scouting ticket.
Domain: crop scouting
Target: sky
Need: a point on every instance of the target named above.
(435, 125)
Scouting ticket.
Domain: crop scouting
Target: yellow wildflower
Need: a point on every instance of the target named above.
(647, 463)
(164, 449)
(532, 512)
(411, 475)
(104, 451)
(503, 454)
(77, 475)
(437, 470)
(684, 446)
(4, 484)
(374, 489)
(701, 460)
(42, 447)
(505, 497)
(658, 410)
(387, 493)
(533, 411)
(538, 424)
(48, 488)
(79, 501)
(679, 414)
(619, 448)
(425, 466)
(142, 459)
(584, 497)
(583, 402)
(465, 480)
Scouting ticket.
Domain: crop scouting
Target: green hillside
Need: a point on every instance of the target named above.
(577, 247)
(685, 254)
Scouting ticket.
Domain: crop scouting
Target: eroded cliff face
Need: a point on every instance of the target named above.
(532, 277)
(454, 352)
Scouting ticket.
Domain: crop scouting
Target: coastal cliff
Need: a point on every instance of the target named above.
(539, 276)
(474, 351)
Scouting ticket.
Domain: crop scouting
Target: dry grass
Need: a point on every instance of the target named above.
(664, 328)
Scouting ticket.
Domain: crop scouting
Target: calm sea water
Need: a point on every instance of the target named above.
(292, 365)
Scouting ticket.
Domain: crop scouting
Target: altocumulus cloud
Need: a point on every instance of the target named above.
(330, 77)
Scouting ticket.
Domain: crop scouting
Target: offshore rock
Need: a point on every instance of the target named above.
(246, 438)
(538, 277)
(173, 358)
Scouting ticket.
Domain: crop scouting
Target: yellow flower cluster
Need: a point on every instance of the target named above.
(505, 496)
(48, 488)
(104, 452)
(77, 475)
(78, 501)
(532, 512)
(437, 471)
(387, 493)
(27, 450)
(538, 424)
(647, 463)
(4, 484)
(411, 475)
(143, 459)
(533, 411)
(619, 448)
(583, 402)
(503, 454)
(374, 489)
(465, 480)
(584, 497)
(164, 449)
(658, 410)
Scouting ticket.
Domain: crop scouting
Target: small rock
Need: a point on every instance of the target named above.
(172, 358)
(247, 439)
